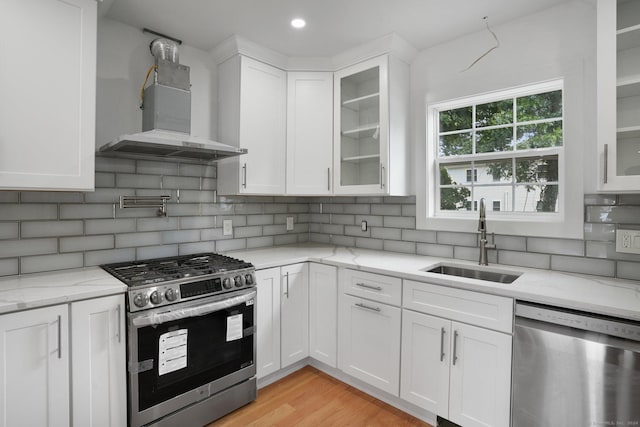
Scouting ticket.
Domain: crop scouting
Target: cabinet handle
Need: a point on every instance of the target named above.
(455, 345)
(441, 344)
(364, 285)
(606, 163)
(377, 309)
(381, 175)
(329, 179)
(287, 287)
(244, 175)
(59, 337)
(118, 312)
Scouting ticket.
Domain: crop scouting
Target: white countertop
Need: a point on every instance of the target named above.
(613, 297)
(56, 287)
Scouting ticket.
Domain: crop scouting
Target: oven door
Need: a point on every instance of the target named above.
(182, 354)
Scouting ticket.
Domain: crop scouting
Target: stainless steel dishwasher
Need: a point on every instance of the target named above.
(574, 369)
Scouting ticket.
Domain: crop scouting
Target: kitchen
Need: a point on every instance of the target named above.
(46, 231)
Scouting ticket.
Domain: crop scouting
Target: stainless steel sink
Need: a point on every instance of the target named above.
(491, 276)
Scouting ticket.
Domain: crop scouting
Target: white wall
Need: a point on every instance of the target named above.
(557, 42)
(123, 60)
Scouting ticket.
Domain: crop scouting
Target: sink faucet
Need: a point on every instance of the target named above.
(482, 229)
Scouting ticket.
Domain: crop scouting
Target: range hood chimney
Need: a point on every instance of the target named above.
(166, 117)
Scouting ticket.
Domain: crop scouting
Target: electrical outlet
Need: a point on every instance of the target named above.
(628, 241)
(363, 225)
(227, 227)
(289, 223)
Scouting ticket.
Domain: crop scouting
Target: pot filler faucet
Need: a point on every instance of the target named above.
(482, 229)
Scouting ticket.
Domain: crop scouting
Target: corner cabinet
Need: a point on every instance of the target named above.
(48, 87)
(309, 133)
(371, 128)
(618, 74)
(252, 99)
(323, 313)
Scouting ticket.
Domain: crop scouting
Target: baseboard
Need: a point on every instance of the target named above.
(394, 401)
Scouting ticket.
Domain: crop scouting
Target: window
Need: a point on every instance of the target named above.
(512, 141)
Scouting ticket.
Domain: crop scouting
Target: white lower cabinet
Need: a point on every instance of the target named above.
(34, 367)
(323, 313)
(455, 370)
(268, 322)
(369, 337)
(99, 362)
(294, 313)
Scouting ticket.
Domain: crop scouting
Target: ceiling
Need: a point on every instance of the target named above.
(333, 26)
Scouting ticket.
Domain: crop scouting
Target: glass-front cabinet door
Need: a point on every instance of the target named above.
(361, 128)
(619, 95)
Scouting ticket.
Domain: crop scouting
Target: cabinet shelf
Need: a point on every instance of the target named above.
(628, 132)
(628, 86)
(359, 158)
(362, 102)
(362, 131)
(628, 37)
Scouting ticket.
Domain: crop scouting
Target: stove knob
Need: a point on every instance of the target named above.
(170, 295)
(226, 283)
(156, 297)
(238, 281)
(248, 278)
(140, 300)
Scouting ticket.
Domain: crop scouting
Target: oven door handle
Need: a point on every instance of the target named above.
(192, 311)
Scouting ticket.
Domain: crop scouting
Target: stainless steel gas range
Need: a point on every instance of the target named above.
(191, 345)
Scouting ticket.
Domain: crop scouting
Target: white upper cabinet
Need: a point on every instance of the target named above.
(47, 106)
(371, 128)
(252, 99)
(309, 133)
(618, 95)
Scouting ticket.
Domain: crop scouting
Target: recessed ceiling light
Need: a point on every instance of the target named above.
(298, 23)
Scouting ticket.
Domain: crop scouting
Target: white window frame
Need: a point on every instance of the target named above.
(552, 224)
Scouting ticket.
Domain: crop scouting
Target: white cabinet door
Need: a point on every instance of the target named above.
(34, 367)
(294, 313)
(99, 391)
(480, 385)
(369, 337)
(618, 72)
(323, 313)
(268, 322)
(252, 114)
(47, 82)
(371, 128)
(425, 361)
(309, 133)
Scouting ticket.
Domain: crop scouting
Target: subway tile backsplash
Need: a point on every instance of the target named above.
(46, 231)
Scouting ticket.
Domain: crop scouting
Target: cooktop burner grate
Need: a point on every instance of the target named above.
(144, 272)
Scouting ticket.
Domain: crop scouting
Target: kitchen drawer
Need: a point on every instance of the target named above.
(474, 308)
(372, 286)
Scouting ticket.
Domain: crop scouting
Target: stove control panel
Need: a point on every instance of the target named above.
(193, 288)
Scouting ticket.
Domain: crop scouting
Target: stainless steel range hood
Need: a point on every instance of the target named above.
(166, 117)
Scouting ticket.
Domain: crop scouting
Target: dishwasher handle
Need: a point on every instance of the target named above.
(620, 328)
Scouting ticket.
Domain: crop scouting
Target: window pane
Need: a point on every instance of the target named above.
(541, 106)
(536, 198)
(488, 141)
(494, 113)
(451, 145)
(540, 135)
(500, 193)
(495, 171)
(537, 169)
(455, 199)
(458, 119)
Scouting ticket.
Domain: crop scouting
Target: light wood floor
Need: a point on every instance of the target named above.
(309, 397)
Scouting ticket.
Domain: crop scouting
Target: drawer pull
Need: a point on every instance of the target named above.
(441, 344)
(364, 285)
(59, 337)
(377, 309)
